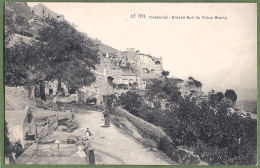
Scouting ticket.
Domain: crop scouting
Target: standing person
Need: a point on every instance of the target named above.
(109, 105)
(102, 129)
(87, 138)
(106, 117)
(102, 122)
(87, 134)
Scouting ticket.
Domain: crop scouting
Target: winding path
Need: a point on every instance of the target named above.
(115, 148)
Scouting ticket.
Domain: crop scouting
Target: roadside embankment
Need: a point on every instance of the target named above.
(152, 136)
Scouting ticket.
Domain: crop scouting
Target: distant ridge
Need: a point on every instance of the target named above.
(103, 47)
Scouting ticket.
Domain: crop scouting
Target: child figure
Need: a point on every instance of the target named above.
(87, 134)
(102, 123)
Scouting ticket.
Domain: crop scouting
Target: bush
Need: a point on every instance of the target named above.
(184, 158)
(227, 137)
(131, 101)
(47, 105)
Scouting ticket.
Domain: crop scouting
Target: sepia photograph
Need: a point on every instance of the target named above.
(130, 83)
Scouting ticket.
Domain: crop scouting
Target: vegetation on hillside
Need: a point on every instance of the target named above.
(206, 126)
(58, 52)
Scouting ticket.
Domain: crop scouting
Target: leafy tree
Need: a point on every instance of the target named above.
(219, 96)
(165, 73)
(131, 101)
(215, 98)
(71, 55)
(215, 134)
(194, 82)
(163, 89)
(59, 52)
(231, 94)
(24, 64)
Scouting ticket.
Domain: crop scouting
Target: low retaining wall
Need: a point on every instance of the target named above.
(16, 98)
(163, 142)
(147, 129)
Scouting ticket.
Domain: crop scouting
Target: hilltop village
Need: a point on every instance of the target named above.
(123, 71)
(80, 101)
(117, 72)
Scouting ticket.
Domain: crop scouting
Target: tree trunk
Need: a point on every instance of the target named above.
(59, 89)
(42, 91)
(36, 91)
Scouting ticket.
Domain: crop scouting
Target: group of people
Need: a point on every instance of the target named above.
(86, 143)
(104, 123)
(83, 144)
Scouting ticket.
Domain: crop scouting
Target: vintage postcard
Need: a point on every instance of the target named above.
(130, 83)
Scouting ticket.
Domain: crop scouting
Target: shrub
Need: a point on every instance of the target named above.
(131, 101)
(231, 94)
(47, 105)
(227, 137)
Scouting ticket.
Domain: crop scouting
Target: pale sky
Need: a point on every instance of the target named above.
(222, 54)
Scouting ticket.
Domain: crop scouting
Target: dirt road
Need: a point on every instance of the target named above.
(109, 144)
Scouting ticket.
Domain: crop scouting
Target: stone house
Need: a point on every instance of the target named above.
(43, 12)
(118, 73)
(149, 65)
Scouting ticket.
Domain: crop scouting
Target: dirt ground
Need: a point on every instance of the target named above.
(110, 145)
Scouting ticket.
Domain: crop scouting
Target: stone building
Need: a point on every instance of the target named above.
(51, 87)
(116, 74)
(121, 72)
(44, 13)
(150, 66)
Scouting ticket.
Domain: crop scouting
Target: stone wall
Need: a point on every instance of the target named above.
(16, 98)
(44, 13)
